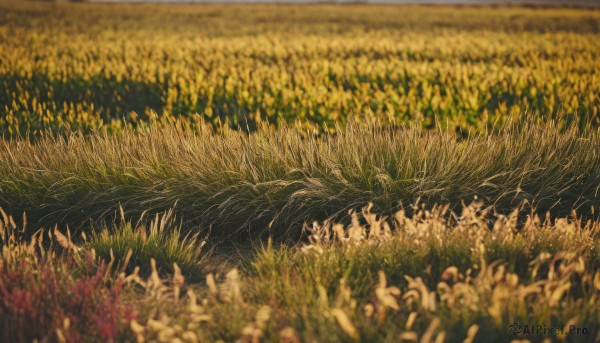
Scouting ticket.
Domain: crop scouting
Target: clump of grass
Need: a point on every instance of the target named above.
(161, 240)
(270, 182)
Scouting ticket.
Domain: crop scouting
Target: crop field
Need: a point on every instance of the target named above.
(89, 66)
(299, 173)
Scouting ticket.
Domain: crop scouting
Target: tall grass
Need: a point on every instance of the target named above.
(426, 276)
(229, 184)
(86, 67)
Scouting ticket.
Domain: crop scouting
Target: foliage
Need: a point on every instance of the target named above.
(387, 280)
(40, 298)
(130, 108)
(89, 67)
(231, 185)
(161, 240)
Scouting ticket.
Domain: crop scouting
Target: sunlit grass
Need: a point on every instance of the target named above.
(88, 67)
(161, 240)
(210, 173)
(388, 280)
(230, 185)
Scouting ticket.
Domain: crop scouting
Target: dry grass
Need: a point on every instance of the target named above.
(426, 277)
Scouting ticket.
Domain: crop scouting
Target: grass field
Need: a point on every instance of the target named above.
(298, 173)
(271, 182)
(90, 65)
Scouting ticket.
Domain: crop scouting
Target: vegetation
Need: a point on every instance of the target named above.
(231, 184)
(89, 66)
(161, 240)
(406, 278)
(198, 173)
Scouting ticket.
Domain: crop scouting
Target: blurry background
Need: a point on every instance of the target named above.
(577, 3)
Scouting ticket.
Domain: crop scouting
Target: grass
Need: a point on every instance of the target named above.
(388, 280)
(88, 66)
(229, 185)
(449, 272)
(307, 173)
(161, 240)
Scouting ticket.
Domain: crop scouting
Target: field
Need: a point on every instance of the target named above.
(90, 66)
(299, 173)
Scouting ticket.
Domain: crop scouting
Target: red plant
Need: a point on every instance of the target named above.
(44, 302)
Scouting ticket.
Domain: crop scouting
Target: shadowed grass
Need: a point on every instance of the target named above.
(232, 184)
